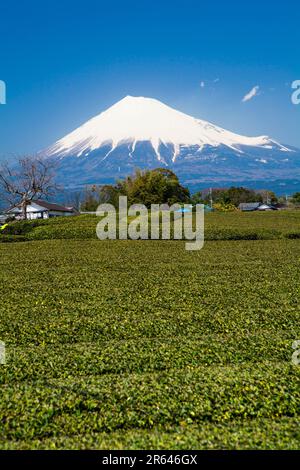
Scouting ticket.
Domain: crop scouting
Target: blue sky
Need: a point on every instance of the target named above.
(64, 62)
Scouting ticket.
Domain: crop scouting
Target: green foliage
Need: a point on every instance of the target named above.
(218, 226)
(12, 238)
(21, 227)
(281, 434)
(160, 186)
(236, 196)
(232, 196)
(224, 207)
(95, 195)
(197, 198)
(140, 344)
(296, 198)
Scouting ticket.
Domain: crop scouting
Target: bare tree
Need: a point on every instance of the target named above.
(29, 179)
(73, 199)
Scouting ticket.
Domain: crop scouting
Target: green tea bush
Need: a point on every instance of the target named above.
(21, 227)
(12, 238)
(218, 226)
(293, 235)
(141, 344)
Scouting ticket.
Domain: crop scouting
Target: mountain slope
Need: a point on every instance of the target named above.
(145, 133)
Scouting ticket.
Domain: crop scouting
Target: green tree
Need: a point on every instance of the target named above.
(238, 195)
(296, 198)
(157, 186)
(148, 187)
(197, 198)
(231, 196)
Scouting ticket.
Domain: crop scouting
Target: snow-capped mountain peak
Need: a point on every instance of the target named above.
(139, 119)
(144, 133)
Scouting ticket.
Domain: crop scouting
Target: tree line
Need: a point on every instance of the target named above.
(30, 178)
(162, 186)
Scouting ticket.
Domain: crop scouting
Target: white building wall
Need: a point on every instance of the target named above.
(34, 211)
(37, 215)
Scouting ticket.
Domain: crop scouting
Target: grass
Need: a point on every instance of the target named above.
(218, 226)
(140, 344)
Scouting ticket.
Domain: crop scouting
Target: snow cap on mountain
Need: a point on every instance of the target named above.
(136, 119)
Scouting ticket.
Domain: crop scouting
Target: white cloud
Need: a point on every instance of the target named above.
(216, 80)
(202, 84)
(253, 92)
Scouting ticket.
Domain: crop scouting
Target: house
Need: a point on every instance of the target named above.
(2, 220)
(267, 207)
(42, 210)
(256, 206)
(249, 206)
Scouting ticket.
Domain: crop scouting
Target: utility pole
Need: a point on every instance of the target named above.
(211, 198)
(288, 199)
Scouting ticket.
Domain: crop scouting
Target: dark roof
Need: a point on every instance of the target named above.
(53, 207)
(47, 205)
(249, 206)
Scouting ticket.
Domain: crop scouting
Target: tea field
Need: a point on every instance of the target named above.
(141, 344)
(218, 226)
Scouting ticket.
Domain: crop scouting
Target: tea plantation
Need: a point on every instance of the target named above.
(218, 226)
(141, 344)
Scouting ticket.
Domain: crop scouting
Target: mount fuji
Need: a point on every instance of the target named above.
(144, 133)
